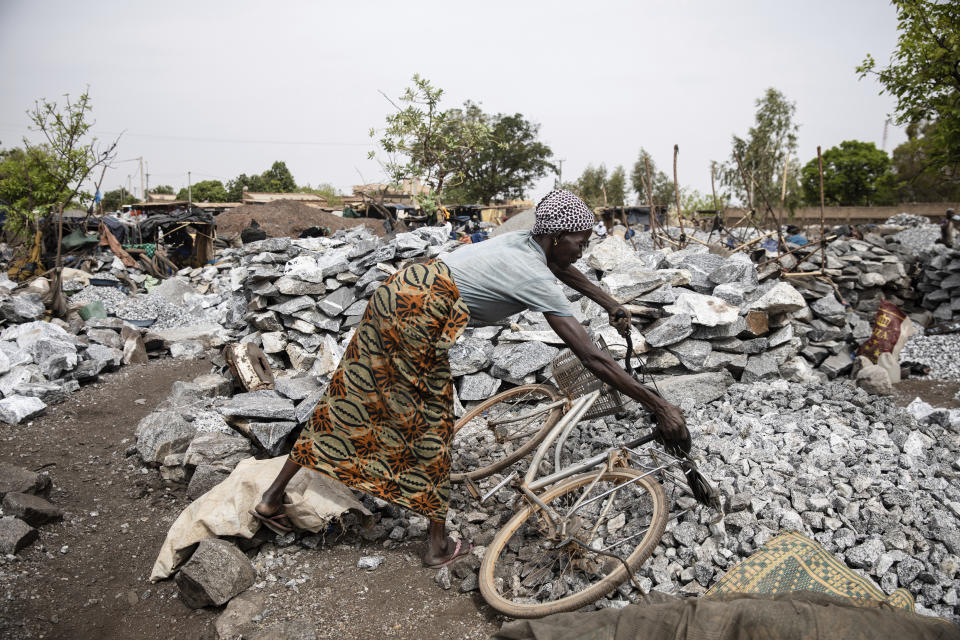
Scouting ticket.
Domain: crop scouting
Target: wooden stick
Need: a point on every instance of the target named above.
(716, 208)
(676, 191)
(752, 242)
(823, 255)
(783, 200)
(800, 274)
(648, 185)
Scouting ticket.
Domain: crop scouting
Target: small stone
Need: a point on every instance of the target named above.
(370, 562)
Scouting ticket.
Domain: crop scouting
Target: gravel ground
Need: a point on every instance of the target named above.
(941, 353)
(143, 307)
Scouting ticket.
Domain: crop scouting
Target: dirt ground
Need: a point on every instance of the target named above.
(287, 218)
(939, 393)
(88, 576)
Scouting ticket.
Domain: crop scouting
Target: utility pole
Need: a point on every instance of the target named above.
(560, 174)
(143, 191)
(148, 178)
(189, 192)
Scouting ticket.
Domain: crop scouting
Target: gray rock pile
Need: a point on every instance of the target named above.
(860, 476)
(939, 282)
(23, 507)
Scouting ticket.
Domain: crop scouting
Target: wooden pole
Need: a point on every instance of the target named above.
(676, 191)
(823, 247)
(783, 200)
(654, 223)
(716, 208)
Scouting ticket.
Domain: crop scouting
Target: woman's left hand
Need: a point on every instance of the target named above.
(620, 320)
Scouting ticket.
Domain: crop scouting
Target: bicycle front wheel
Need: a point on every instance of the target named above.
(529, 571)
(502, 429)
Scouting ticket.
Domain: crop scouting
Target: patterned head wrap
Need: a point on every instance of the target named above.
(562, 211)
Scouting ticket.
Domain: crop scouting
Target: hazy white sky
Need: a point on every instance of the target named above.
(222, 88)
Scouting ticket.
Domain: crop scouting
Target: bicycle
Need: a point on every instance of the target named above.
(561, 550)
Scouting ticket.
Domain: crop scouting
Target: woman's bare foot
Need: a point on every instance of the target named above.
(441, 549)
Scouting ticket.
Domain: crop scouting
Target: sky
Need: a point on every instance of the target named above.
(222, 88)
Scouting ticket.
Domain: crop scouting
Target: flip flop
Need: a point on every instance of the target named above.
(458, 553)
(278, 522)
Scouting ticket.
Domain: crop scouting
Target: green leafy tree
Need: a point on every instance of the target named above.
(597, 188)
(662, 186)
(163, 189)
(917, 179)
(205, 191)
(113, 200)
(278, 178)
(326, 191)
(616, 188)
(26, 187)
(48, 177)
(500, 166)
(763, 154)
(426, 143)
(855, 173)
(924, 76)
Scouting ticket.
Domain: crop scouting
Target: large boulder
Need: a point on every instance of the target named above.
(30, 508)
(781, 298)
(215, 573)
(161, 433)
(701, 388)
(708, 311)
(258, 404)
(14, 479)
(15, 409)
(216, 449)
(15, 534)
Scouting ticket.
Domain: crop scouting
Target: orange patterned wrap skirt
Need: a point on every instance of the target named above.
(384, 425)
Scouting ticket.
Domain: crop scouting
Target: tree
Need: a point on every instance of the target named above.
(763, 153)
(276, 179)
(47, 177)
(502, 165)
(662, 186)
(113, 200)
(425, 143)
(597, 189)
(205, 191)
(164, 189)
(325, 190)
(917, 180)
(26, 187)
(616, 187)
(854, 174)
(924, 76)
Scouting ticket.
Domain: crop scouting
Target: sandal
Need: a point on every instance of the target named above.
(458, 552)
(279, 523)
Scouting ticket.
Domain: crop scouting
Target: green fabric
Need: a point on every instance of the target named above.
(77, 238)
(802, 615)
(348, 212)
(150, 248)
(793, 562)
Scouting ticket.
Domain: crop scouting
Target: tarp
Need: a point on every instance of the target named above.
(801, 615)
(181, 216)
(312, 500)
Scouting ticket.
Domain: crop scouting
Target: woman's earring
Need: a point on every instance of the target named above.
(555, 241)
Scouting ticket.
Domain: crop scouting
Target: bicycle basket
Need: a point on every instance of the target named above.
(575, 380)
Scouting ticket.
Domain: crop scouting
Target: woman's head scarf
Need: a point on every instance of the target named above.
(562, 211)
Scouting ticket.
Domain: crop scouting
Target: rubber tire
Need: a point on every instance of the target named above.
(596, 591)
(551, 420)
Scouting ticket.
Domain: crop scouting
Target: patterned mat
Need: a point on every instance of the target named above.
(793, 562)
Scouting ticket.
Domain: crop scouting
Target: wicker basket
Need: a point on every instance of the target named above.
(574, 380)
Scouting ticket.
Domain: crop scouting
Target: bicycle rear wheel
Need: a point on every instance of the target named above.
(502, 429)
(527, 573)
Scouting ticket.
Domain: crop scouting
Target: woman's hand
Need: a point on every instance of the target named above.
(672, 425)
(620, 320)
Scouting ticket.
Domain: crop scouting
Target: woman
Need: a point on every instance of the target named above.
(385, 423)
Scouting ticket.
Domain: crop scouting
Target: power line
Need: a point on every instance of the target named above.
(222, 140)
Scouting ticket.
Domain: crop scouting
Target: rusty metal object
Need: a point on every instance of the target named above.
(249, 366)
